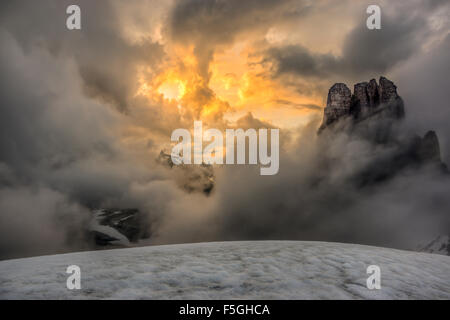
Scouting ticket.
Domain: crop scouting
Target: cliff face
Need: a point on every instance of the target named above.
(338, 104)
(368, 99)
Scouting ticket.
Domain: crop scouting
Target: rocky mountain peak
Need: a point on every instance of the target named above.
(429, 148)
(368, 99)
(338, 103)
(371, 112)
(387, 90)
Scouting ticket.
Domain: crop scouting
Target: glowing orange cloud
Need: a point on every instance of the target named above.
(236, 85)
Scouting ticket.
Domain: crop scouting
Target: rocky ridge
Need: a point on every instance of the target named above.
(439, 245)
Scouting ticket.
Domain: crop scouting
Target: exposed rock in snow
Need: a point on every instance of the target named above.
(439, 245)
(118, 226)
(231, 270)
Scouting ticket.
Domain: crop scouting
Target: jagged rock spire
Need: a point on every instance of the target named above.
(338, 103)
(429, 149)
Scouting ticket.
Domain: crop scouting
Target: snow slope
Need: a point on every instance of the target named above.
(231, 270)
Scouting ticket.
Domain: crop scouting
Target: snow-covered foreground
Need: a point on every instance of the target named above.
(231, 270)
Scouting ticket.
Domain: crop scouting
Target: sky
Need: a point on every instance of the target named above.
(84, 114)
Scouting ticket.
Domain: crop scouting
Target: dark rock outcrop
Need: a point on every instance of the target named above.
(368, 99)
(387, 90)
(372, 93)
(410, 153)
(118, 226)
(439, 245)
(390, 98)
(191, 178)
(338, 103)
(371, 113)
(361, 102)
(428, 149)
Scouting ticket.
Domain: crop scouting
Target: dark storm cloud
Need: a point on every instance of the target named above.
(296, 59)
(47, 131)
(220, 21)
(208, 24)
(365, 52)
(59, 153)
(299, 106)
(106, 61)
(39, 220)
